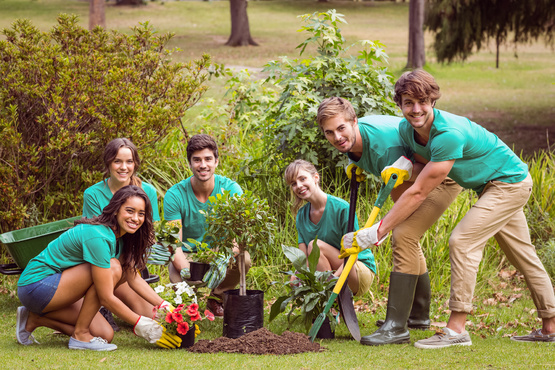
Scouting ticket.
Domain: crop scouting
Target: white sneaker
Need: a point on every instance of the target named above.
(445, 338)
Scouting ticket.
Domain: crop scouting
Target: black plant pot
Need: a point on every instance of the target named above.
(197, 270)
(188, 339)
(243, 314)
(325, 331)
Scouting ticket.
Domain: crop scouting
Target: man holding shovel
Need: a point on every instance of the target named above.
(373, 144)
(454, 146)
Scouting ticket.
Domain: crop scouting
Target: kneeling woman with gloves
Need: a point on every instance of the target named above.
(64, 286)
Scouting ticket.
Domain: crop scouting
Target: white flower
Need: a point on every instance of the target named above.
(178, 300)
(159, 289)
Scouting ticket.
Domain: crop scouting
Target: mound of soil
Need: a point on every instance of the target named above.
(259, 342)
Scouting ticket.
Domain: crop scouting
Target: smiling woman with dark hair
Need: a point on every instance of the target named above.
(64, 286)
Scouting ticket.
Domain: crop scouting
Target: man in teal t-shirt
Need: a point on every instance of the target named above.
(453, 146)
(373, 144)
(183, 202)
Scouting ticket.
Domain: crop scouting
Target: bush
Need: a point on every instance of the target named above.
(67, 92)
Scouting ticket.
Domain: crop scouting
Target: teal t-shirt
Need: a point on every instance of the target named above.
(331, 227)
(381, 143)
(99, 195)
(94, 244)
(180, 203)
(480, 156)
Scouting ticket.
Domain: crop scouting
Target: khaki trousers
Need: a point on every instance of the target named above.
(230, 281)
(498, 213)
(407, 253)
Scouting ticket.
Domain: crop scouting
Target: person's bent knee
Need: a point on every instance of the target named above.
(248, 262)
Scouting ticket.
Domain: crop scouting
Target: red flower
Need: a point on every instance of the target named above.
(177, 317)
(196, 317)
(179, 308)
(192, 310)
(209, 315)
(183, 328)
(169, 318)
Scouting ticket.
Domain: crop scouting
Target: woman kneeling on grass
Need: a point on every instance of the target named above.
(65, 285)
(325, 217)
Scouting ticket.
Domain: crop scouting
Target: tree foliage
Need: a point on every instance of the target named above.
(65, 94)
(462, 26)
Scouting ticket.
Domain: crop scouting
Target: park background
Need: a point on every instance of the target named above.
(515, 101)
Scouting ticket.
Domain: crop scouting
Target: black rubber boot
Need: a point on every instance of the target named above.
(419, 317)
(394, 330)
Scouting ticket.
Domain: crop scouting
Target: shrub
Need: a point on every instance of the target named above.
(67, 92)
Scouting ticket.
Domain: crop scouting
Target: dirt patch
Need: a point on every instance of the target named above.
(259, 342)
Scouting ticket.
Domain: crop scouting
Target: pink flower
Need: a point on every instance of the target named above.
(192, 310)
(183, 328)
(209, 315)
(177, 317)
(169, 318)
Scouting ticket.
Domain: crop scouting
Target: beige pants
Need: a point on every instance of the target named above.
(230, 281)
(365, 278)
(498, 213)
(407, 253)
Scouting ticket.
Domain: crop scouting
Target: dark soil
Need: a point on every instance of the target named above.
(259, 342)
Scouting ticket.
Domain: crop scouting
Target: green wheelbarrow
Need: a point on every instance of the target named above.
(24, 244)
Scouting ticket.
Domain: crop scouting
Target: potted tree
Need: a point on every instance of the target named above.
(244, 222)
(309, 291)
(201, 259)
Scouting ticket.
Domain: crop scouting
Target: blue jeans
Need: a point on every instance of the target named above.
(36, 296)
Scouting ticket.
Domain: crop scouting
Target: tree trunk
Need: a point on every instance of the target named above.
(497, 43)
(417, 52)
(243, 278)
(240, 32)
(97, 15)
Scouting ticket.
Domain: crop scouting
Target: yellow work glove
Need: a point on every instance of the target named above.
(360, 176)
(354, 243)
(168, 340)
(402, 167)
(348, 246)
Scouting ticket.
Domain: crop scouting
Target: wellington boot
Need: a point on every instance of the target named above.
(394, 330)
(419, 317)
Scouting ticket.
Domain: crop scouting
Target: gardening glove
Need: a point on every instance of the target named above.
(360, 176)
(159, 255)
(153, 332)
(185, 274)
(354, 243)
(402, 167)
(216, 273)
(167, 305)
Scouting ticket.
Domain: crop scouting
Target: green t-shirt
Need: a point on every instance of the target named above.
(180, 203)
(331, 227)
(381, 143)
(480, 156)
(94, 244)
(99, 195)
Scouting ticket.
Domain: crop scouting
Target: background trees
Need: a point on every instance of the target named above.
(417, 53)
(240, 31)
(462, 27)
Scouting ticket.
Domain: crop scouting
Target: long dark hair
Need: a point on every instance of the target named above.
(135, 245)
(111, 151)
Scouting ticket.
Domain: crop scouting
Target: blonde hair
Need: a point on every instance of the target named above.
(290, 175)
(335, 106)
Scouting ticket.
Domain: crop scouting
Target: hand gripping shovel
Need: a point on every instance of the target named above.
(345, 297)
(382, 196)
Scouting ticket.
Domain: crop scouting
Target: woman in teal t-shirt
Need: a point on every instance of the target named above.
(62, 288)
(325, 216)
(121, 163)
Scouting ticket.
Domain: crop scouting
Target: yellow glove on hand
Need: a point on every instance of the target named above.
(348, 246)
(402, 167)
(360, 176)
(168, 340)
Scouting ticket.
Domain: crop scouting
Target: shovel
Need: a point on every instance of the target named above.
(382, 196)
(345, 297)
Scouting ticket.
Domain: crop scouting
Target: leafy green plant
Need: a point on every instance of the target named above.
(309, 291)
(65, 93)
(243, 221)
(167, 233)
(202, 253)
(304, 83)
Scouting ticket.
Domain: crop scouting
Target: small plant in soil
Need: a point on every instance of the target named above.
(243, 221)
(308, 290)
(203, 254)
